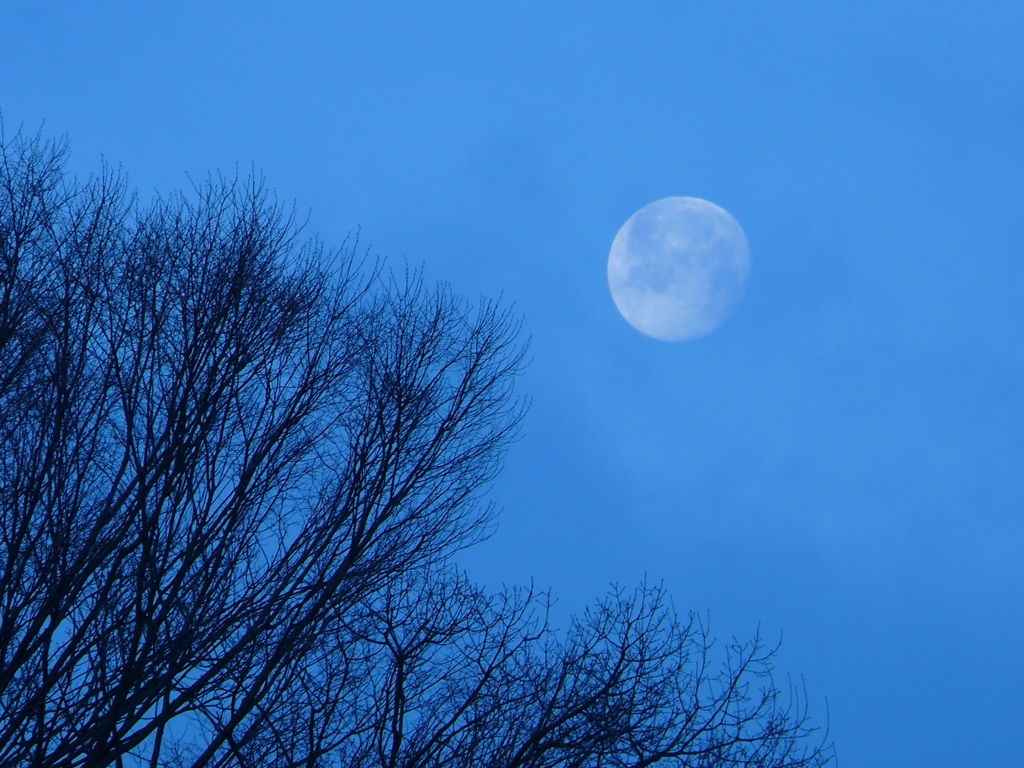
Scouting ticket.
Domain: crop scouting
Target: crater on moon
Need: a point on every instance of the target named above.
(678, 267)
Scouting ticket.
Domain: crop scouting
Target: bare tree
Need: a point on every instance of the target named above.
(231, 483)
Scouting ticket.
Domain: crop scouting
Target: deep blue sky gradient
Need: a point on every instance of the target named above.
(842, 462)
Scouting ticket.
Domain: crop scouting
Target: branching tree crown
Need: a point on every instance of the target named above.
(231, 483)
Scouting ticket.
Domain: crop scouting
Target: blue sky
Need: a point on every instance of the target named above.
(842, 462)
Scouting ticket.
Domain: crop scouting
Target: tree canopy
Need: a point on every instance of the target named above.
(234, 469)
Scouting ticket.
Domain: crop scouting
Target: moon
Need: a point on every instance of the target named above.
(678, 268)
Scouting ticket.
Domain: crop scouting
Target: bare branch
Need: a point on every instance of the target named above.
(231, 484)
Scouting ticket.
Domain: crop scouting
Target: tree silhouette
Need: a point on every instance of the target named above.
(234, 469)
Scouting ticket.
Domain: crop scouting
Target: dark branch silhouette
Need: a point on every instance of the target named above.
(231, 483)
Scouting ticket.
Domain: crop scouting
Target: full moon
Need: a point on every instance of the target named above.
(678, 267)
